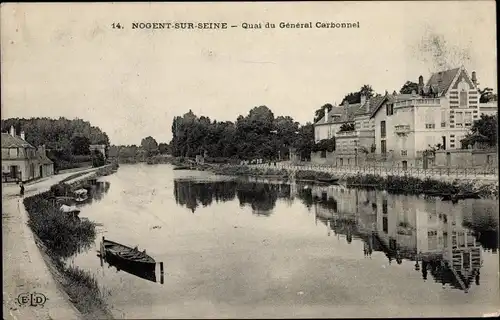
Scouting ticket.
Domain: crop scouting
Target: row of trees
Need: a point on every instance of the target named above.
(67, 141)
(56, 133)
(259, 134)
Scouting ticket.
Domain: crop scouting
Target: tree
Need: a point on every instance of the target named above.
(150, 146)
(409, 87)
(348, 126)
(484, 131)
(80, 145)
(487, 95)
(367, 91)
(304, 141)
(163, 148)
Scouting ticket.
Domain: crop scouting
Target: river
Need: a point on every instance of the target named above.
(251, 248)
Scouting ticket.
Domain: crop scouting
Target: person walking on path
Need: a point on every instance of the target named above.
(22, 189)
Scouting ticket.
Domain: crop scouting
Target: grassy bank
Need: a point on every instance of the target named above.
(393, 184)
(413, 185)
(62, 237)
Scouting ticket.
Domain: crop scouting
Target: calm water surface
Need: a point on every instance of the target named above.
(235, 248)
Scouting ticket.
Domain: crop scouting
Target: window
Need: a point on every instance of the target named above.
(384, 206)
(385, 225)
(382, 129)
(14, 152)
(468, 118)
(389, 109)
(443, 118)
(323, 153)
(430, 126)
(404, 152)
(383, 147)
(463, 98)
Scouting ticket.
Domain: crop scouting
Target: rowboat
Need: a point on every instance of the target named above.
(70, 210)
(182, 168)
(327, 180)
(125, 254)
(130, 260)
(81, 195)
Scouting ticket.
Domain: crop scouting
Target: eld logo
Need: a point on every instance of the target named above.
(34, 299)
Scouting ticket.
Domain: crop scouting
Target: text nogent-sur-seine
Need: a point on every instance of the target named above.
(244, 25)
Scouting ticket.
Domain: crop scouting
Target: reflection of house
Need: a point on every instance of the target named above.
(404, 227)
(21, 161)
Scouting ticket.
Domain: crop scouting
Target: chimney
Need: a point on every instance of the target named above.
(474, 79)
(363, 99)
(326, 114)
(420, 85)
(367, 106)
(22, 135)
(12, 131)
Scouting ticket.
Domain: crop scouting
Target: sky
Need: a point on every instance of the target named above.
(65, 60)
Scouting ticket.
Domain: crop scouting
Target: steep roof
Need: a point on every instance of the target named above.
(390, 98)
(442, 80)
(9, 141)
(350, 112)
(334, 111)
(44, 159)
(373, 103)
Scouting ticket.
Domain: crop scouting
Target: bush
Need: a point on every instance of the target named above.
(62, 235)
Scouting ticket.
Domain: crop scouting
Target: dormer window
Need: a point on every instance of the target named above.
(463, 88)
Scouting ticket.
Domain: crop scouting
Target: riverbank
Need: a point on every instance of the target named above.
(402, 184)
(29, 265)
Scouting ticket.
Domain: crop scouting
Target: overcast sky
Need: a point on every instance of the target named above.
(66, 60)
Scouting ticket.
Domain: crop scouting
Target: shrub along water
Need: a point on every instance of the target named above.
(63, 237)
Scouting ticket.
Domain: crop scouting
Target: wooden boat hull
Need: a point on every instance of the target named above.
(144, 271)
(322, 180)
(127, 255)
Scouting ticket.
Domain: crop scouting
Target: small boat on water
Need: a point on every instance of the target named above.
(81, 195)
(327, 180)
(73, 211)
(460, 196)
(182, 168)
(124, 254)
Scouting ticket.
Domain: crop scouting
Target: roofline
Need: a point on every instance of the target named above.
(374, 112)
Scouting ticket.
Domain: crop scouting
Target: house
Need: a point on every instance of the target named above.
(440, 113)
(98, 147)
(349, 143)
(21, 161)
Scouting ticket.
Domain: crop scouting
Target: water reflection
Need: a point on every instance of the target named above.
(259, 196)
(443, 239)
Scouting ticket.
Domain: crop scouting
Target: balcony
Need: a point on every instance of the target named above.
(347, 134)
(402, 128)
(418, 102)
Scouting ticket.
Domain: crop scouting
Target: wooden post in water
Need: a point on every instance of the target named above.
(102, 252)
(161, 272)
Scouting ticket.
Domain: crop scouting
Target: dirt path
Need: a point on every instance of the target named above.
(25, 270)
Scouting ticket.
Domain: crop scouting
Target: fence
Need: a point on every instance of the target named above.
(478, 172)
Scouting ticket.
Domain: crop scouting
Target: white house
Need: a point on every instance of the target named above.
(442, 112)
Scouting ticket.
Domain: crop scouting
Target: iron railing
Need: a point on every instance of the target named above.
(486, 171)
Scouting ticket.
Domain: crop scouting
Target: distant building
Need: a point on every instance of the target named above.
(99, 147)
(21, 161)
